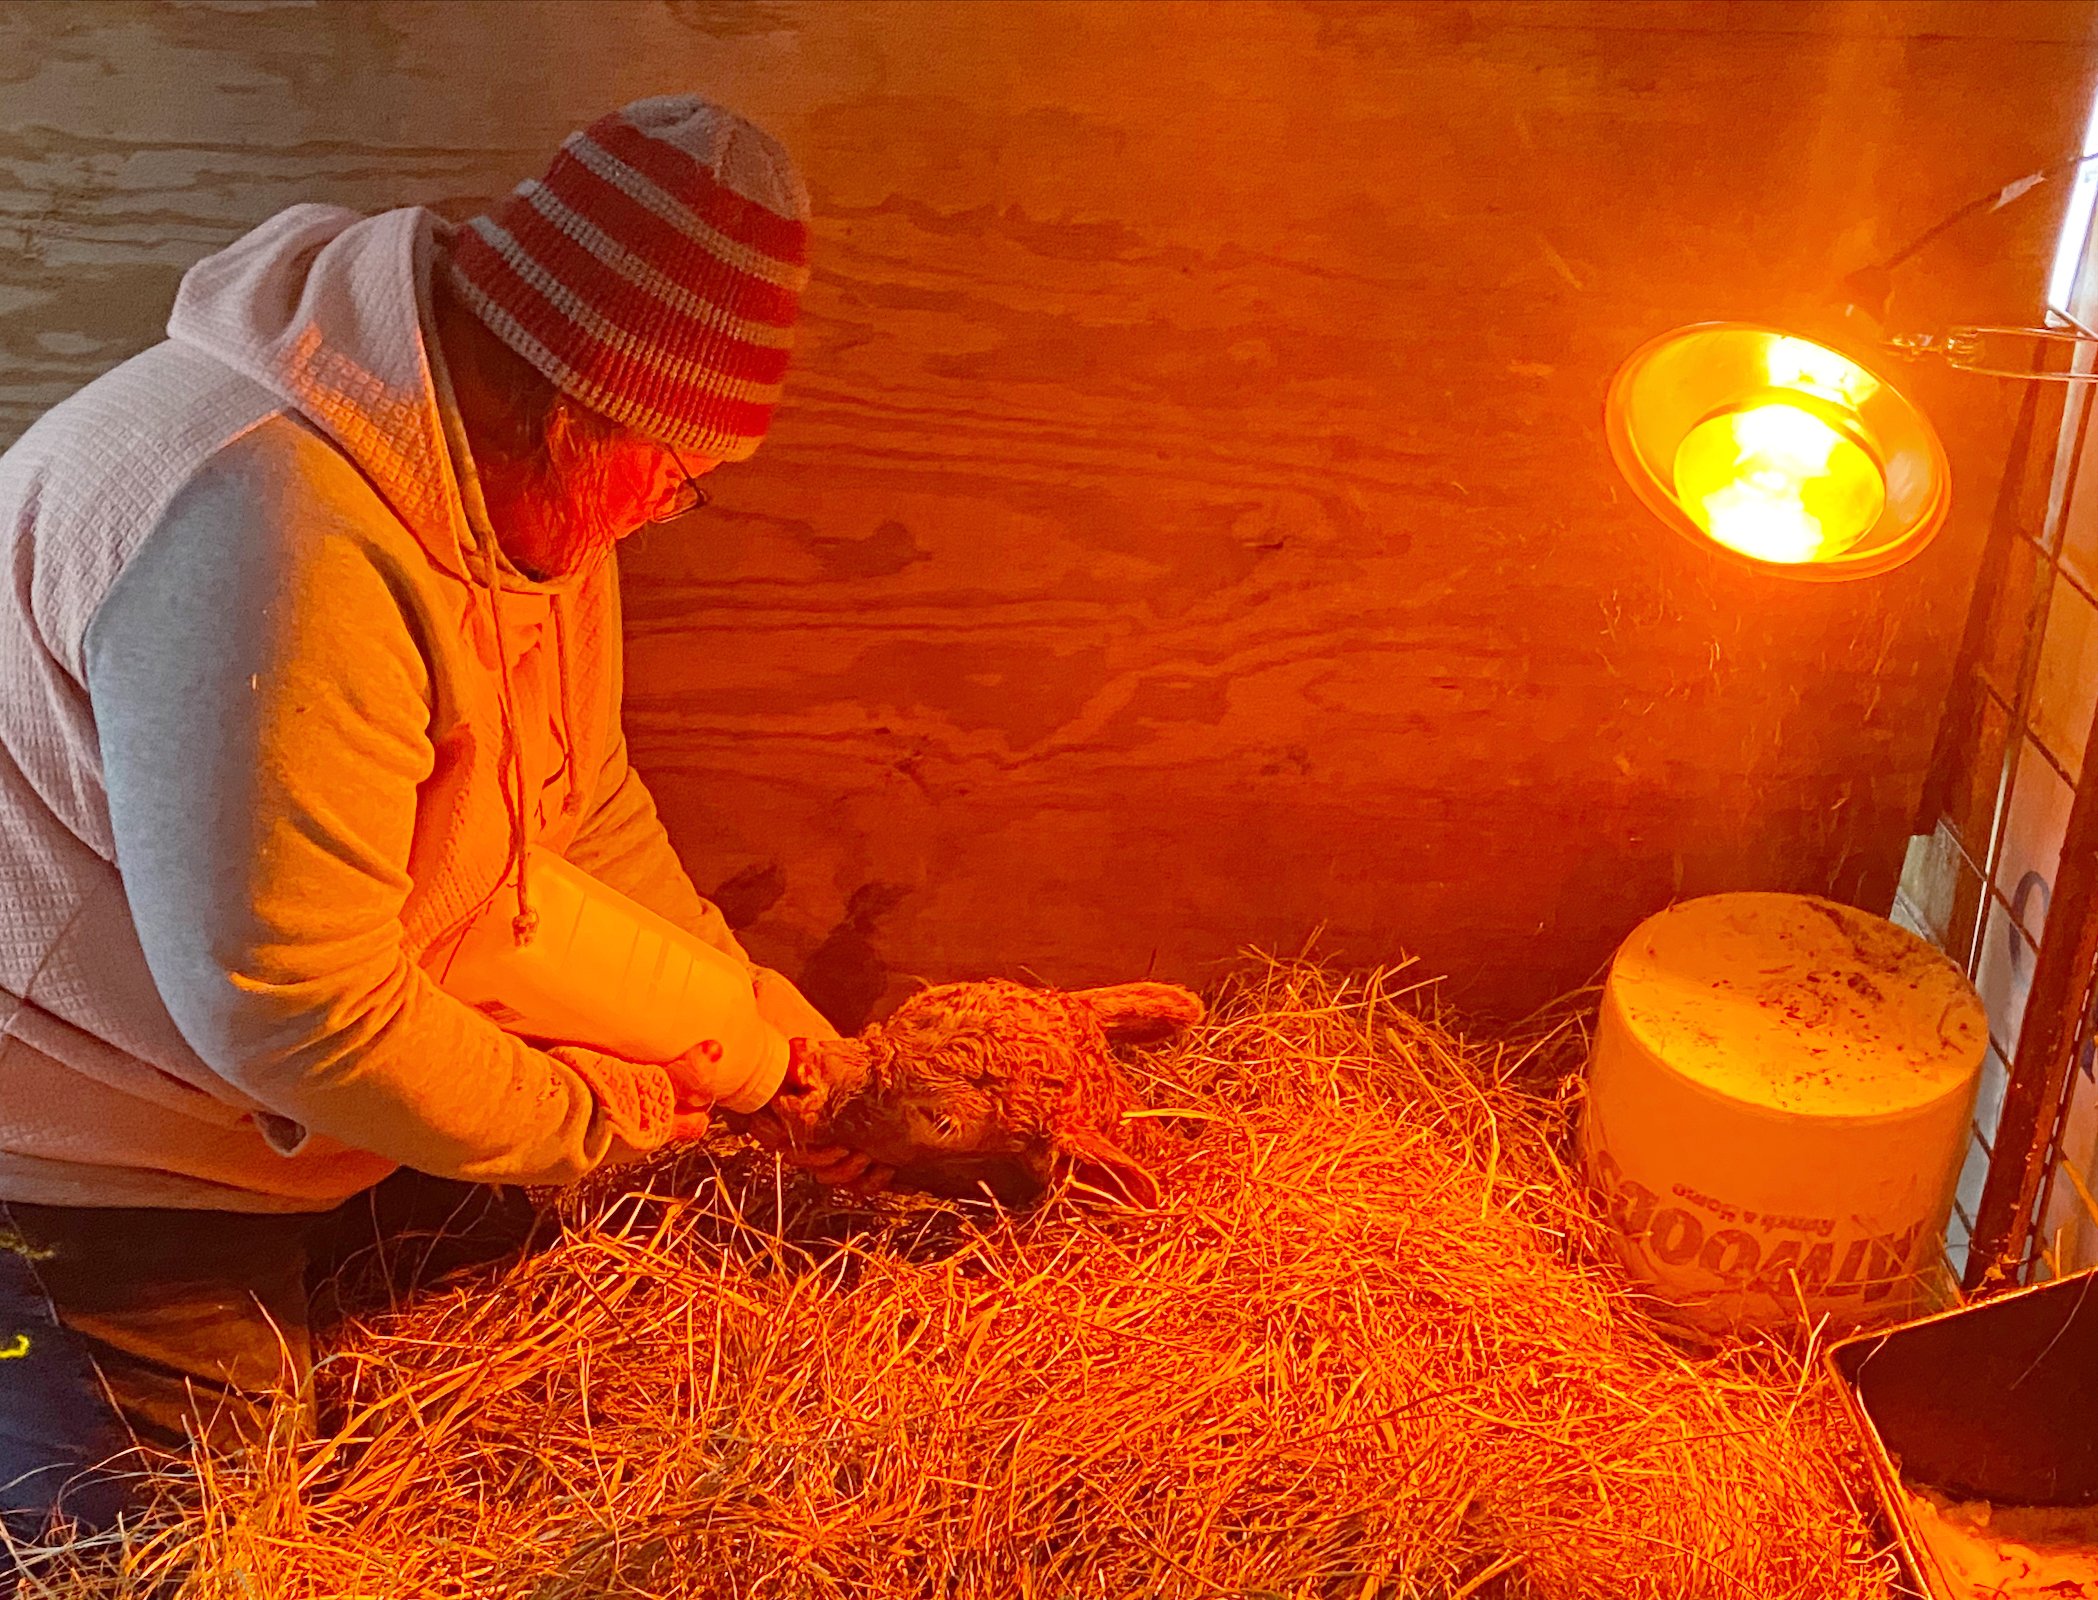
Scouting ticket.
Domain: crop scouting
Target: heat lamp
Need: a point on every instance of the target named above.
(1776, 451)
(1790, 457)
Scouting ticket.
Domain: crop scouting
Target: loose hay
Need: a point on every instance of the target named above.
(1363, 1351)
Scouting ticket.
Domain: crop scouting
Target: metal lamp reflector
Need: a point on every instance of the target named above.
(1780, 452)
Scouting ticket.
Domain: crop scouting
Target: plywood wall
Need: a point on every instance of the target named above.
(1191, 527)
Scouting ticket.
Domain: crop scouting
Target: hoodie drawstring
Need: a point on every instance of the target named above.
(473, 515)
(572, 797)
(481, 542)
(526, 922)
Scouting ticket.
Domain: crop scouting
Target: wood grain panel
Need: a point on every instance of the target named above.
(1190, 525)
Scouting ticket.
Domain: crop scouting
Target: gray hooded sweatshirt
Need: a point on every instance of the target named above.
(253, 752)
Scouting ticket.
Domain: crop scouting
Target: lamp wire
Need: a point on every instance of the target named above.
(1869, 286)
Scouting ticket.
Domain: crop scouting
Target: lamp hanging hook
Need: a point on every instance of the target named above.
(1981, 349)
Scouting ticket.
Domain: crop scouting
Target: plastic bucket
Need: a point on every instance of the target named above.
(1778, 1105)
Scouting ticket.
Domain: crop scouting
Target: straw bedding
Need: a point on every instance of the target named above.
(1361, 1352)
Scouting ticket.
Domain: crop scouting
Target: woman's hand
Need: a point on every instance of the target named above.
(832, 1165)
(786, 1009)
(782, 1125)
(692, 1106)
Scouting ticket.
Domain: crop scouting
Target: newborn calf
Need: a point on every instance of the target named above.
(991, 1085)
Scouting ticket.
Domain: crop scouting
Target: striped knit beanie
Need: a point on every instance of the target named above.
(653, 273)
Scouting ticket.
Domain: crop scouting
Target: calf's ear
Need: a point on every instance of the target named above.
(1090, 1158)
(1143, 1013)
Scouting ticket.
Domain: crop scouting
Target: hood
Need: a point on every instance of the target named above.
(325, 308)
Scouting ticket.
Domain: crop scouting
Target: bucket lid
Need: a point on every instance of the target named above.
(1799, 1004)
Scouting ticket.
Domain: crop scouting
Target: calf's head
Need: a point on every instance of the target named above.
(990, 1085)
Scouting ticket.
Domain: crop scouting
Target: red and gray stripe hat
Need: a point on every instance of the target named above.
(653, 273)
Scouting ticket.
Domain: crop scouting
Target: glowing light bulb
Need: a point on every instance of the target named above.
(1776, 482)
(1816, 369)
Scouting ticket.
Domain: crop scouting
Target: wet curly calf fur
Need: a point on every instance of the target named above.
(969, 1087)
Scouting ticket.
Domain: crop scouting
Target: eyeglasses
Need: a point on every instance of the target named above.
(688, 496)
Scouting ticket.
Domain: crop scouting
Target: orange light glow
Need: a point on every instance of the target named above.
(1778, 483)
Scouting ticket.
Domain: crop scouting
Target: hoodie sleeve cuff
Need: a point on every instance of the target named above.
(636, 1100)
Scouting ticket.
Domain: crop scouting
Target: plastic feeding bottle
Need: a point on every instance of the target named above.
(603, 971)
